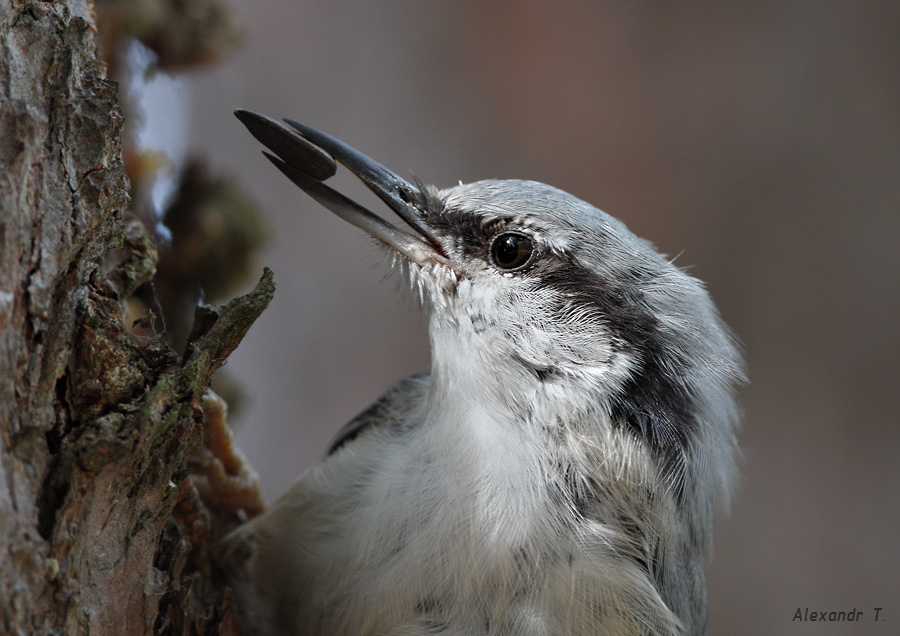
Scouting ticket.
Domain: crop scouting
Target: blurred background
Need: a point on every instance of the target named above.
(759, 141)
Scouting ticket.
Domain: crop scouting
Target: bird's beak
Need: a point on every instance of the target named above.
(308, 159)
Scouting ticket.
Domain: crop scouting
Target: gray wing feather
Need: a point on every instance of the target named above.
(389, 410)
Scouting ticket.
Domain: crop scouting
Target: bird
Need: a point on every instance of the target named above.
(558, 469)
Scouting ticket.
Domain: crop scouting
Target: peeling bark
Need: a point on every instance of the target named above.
(101, 530)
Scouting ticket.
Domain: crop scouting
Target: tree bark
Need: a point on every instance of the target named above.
(101, 530)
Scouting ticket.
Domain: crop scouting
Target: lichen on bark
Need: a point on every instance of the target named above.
(101, 531)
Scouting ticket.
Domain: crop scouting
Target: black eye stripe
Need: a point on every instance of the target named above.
(474, 236)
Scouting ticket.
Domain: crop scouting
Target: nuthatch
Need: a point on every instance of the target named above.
(558, 469)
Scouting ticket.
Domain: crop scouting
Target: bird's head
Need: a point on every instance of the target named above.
(541, 302)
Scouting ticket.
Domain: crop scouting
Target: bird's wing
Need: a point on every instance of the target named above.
(392, 409)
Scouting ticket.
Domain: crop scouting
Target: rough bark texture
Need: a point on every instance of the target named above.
(101, 531)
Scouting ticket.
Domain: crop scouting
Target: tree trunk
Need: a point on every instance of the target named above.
(101, 530)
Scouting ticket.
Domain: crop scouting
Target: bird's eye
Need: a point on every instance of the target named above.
(511, 251)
